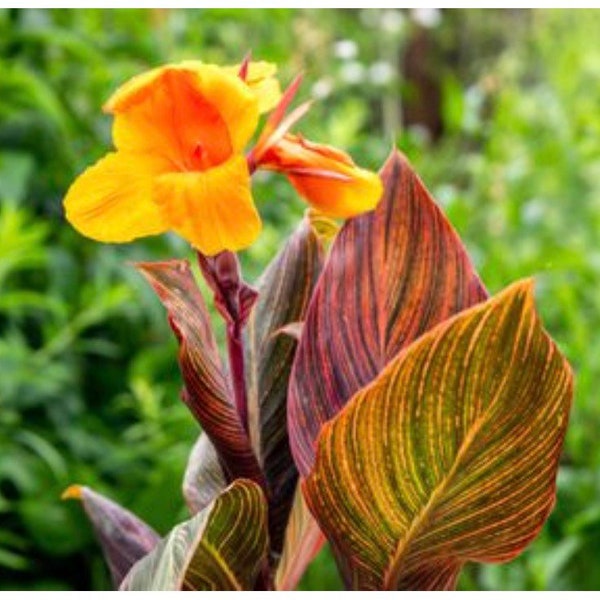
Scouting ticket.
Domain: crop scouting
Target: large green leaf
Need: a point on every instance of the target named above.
(450, 455)
(285, 289)
(391, 275)
(206, 391)
(222, 548)
(124, 538)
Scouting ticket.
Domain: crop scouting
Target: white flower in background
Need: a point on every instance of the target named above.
(353, 72)
(427, 17)
(322, 88)
(345, 49)
(392, 21)
(381, 73)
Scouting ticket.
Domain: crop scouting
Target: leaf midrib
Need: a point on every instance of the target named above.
(392, 574)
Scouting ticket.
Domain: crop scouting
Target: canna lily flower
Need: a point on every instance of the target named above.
(179, 133)
(324, 176)
(259, 76)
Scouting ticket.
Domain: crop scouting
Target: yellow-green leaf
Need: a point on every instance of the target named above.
(222, 548)
(450, 455)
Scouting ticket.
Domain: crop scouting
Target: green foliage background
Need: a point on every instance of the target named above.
(88, 380)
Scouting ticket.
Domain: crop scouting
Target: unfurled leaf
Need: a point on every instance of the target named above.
(302, 542)
(284, 293)
(391, 275)
(234, 300)
(206, 391)
(124, 538)
(204, 479)
(222, 548)
(233, 297)
(450, 455)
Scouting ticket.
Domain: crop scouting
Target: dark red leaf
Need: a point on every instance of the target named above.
(124, 538)
(285, 289)
(206, 390)
(391, 275)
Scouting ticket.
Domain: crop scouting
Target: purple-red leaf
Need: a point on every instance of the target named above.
(124, 538)
(285, 289)
(391, 275)
(233, 297)
(206, 391)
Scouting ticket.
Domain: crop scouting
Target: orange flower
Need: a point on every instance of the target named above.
(326, 177)
(179, 133)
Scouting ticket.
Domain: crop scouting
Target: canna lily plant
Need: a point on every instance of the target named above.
(373, 395)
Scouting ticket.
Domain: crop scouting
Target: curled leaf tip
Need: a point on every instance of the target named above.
(73, 492)
(325, 227)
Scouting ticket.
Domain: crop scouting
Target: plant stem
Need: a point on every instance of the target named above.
(235, 350)
(234, 299)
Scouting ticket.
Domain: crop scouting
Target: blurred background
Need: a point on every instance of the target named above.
(497, 110)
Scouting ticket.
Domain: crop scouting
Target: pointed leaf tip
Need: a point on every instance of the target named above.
(474, 415)
(391, 275)
(123, 537)
(73, 492)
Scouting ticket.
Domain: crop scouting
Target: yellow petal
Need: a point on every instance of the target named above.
(193, 114)
(236, 103)
(340, 198)
(212, 209)
(112, 200)
(133, 91)
(262, 82)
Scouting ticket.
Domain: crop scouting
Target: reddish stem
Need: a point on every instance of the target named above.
(234, 299)
(235, 350)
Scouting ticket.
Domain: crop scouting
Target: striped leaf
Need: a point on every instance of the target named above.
(391, 275)
(123, 537)
(204, 479)
(450, 455)
(302, 542)
(285, 289)
(222, 548)
(206, 391)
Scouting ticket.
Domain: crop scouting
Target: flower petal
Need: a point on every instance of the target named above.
(325, 176)
(337, 198)
(195, 115)
(237, 104)
(111, 201)
(133, 91)
(261, 80)
(212, 209)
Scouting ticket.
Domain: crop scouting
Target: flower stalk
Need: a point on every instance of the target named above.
(234, 300)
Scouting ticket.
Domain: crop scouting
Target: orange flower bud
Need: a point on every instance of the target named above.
(326, 177)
